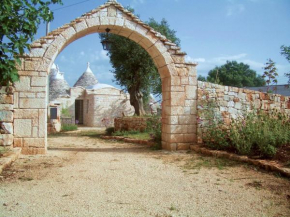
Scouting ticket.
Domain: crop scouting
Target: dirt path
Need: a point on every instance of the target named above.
(86, 176)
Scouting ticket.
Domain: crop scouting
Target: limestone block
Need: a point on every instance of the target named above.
(119, 22)
(59, 42)
(37, 52)
(190, 138)
(187, 110)
(25, 113)
(141, 30)
(184, 80)
(192, 71)
(6, 116)
(70, 32)
(22, 128)
(18, 142)
(175, 80)
(233, 111)
(27, 95)
(178, 58)
(32, 103)
(162, 60)
(177, 88)
(34, 142)
(231, 104)
(51, 52)
(6, 139)
(176, 138)
(161, 47)
(192, 80)
(80, 26)
(154, 52)
(15, 100)
(112, 11)
(33, 151)
(38, 81)
(182, 146)
(23, 84)
(172, 120)
(34, 132)
(8, 127)
(178, 129)
(177, 98)
(135, 37)
(6, 99)
(7, 107)
(42, 123)
(187, 119)
(238, 105)
(130, 25)
(191, 92)
(192, 128)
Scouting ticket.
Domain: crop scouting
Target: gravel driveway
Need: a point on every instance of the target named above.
(86, 176)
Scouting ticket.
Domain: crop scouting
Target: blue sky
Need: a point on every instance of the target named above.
(211, 32)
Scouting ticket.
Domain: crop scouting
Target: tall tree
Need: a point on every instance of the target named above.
(285, 51)
(270, 73)
(134, 69)
(235, 74)
(19, 21)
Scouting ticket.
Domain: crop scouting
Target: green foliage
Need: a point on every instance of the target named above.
(201, 78)
(110, 130)
(65, 112)
(285, 51)
(253, 134)
(235, 74)
(134, 69)
(154, 127)
(270, 73)
(19, 23)
(69, 127)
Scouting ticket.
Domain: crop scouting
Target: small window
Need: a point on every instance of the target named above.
(53, 113)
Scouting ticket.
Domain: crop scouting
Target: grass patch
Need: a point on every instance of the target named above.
(92, 134)
(207, 162)
(133, 135)
(69, 127)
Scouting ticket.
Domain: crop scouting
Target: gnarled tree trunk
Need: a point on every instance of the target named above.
(136, 100)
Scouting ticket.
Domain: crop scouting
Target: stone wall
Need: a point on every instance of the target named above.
(6, 116)
(232, 102)
(131, 123)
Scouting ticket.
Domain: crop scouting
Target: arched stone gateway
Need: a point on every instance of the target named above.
(179, 82)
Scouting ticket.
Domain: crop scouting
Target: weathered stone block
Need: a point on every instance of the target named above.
(23, 84)
(34, 142)
(18, 142)
(6, 116)
(22, 128)
(31, 103)
(8, 127)
(182, 146)
(6, 99)
(191, 92)
(6, 139)
(33, 151)
(38, 81)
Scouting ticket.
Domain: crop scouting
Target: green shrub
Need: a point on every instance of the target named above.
(110, 130)
(65, 112)
(154, 127)
(254, 134)
(69, 127)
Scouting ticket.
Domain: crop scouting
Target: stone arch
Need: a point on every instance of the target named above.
(179, 82)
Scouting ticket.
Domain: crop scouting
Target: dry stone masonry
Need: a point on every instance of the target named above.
(232, 102)
(6, 116)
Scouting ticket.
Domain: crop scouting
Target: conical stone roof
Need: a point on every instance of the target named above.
(87, 79)
(58, 86)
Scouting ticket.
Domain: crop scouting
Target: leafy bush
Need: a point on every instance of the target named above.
(254, 134)
(154, 127)
(69, 127)
(65, 112)
(110, 130)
